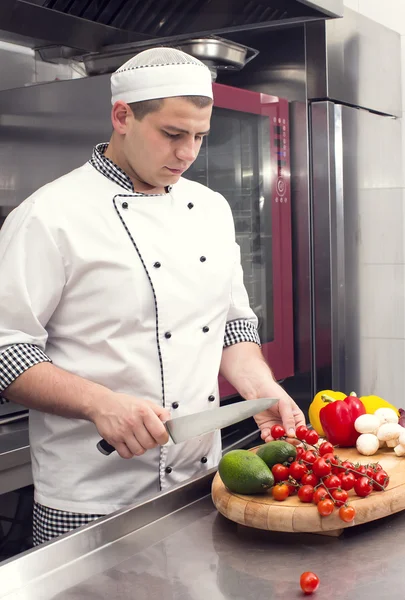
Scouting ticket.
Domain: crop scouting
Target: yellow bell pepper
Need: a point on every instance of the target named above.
(316, 405)
(371, 403)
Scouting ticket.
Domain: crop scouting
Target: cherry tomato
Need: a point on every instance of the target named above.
(347, 513)
(363, 487)
(309, 582)
(370, 472)
(331, 482)
(300, 452)
(312, 437)
(326, 448)
(331, 458)
(309, 479)
(347, 481)
(380, 478)
(360, 471)
(280, 472)
(346, 464)
(340, 496)
(309, 456)
(306, 493)
(325, 507)
(277, 431)
(292, 489)
(280, 491)
(320, 494)
(321, 467)
(297, 470)
(301, 432)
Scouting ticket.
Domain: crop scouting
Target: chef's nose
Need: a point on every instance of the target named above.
(188, 150)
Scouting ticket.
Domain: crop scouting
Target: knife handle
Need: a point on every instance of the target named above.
(105, 448)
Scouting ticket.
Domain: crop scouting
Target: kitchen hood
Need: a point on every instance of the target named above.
(91, 25)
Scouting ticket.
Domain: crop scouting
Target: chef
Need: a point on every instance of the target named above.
(122, 298)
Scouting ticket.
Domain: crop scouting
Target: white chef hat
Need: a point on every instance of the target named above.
(160, 73)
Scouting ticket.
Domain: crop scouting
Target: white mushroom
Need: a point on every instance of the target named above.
(392, 443)
(382, 443)
(399, 450)
(367, 423)
(401, 437)
(367, 444)
(386, 415)
(388, 431)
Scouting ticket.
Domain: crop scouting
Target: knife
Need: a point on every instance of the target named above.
(189, 426)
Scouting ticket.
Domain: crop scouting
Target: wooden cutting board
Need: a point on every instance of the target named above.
(292, 515)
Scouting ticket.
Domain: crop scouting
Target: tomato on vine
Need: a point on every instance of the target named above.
(297, 470)
(326, 448)
(347, 481)
(332, 481)
(325, 507)
(312, 437)
(360, 471)
(347, 513)
(309, 456)
(301, 432)
(310, 479)
(381, 480)
(300, 452)
(340, 496)
(363, 487)
(321, 467)
(306, 493)
(320, 494)
(277, 432)
(280, 491)
(280, 472)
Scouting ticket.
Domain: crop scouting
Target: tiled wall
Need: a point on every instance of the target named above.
(384, 357)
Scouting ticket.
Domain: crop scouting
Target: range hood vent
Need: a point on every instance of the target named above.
(90, 25)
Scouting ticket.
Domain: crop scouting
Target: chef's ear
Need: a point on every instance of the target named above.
(120, 114)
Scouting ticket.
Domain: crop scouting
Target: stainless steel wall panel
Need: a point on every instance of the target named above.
(355, 60)
(358, 296)
(328, 244)
(47, 130)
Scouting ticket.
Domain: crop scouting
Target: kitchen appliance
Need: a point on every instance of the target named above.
(190, 426)
(341, 78)
(62, 28)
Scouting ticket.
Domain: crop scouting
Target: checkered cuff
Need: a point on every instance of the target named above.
(17, 359)
(241, 330)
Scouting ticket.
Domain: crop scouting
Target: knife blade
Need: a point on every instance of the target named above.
(185, 428)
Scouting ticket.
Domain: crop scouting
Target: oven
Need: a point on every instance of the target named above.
(246, 158)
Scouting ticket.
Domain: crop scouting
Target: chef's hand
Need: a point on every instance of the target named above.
(285, 413)
(132, 425)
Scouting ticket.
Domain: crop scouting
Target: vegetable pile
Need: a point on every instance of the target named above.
(381, 429)
(332, 414)
(318, 476)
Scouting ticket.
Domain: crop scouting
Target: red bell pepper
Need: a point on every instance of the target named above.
(338, 417)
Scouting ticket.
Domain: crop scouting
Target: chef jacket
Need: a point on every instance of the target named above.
(139, 293)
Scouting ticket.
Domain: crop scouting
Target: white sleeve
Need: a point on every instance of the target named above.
(32, 278)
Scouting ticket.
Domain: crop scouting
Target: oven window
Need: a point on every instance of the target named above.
(234, 160)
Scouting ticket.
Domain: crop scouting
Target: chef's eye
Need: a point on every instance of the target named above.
(172, 136)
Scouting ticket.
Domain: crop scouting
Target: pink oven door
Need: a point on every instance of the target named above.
(246, 158)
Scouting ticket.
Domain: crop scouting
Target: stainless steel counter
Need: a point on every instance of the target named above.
(15, 460)
(177, 547)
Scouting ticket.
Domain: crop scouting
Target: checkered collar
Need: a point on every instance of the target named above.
(106, 167)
